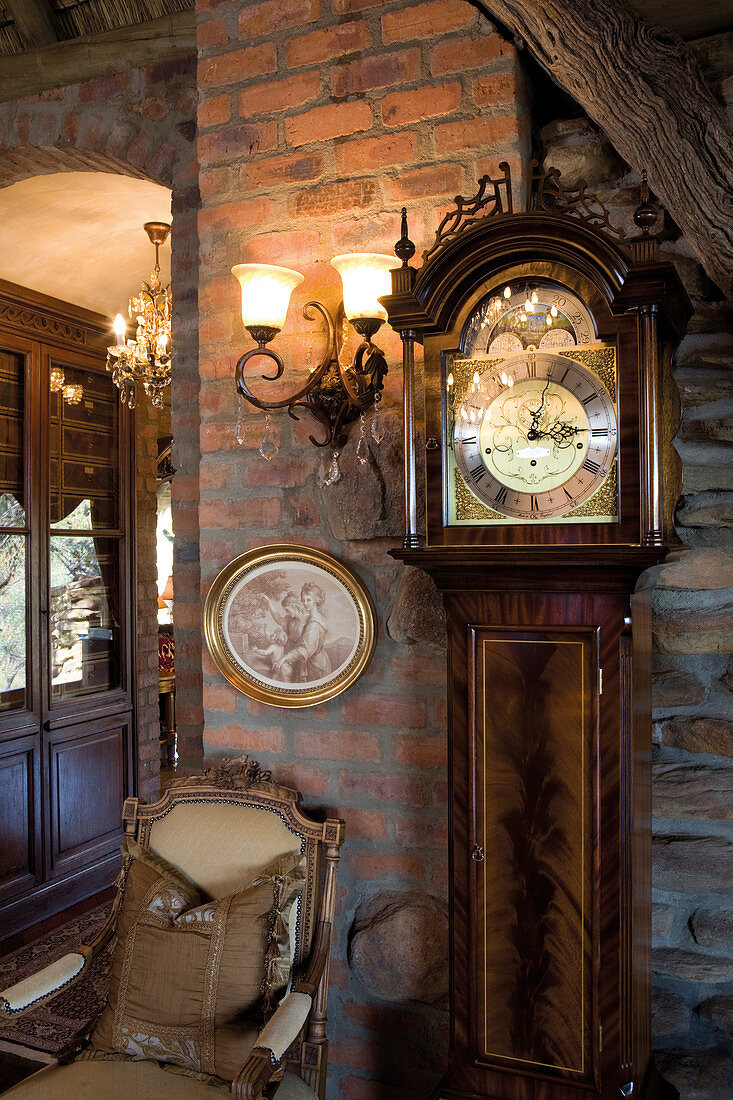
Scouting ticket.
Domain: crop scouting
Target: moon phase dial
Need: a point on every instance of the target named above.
(535, 436)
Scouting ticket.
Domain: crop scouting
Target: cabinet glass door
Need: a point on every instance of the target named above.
(84, 548)
(13, 534)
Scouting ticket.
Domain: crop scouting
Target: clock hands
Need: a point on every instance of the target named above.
(534, 428)
(560, 432)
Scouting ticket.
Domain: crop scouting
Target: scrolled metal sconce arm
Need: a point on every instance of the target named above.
(333, 395)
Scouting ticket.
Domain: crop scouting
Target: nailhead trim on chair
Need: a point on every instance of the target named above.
(222, 802)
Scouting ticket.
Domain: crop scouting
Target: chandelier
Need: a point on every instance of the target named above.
(147, 359)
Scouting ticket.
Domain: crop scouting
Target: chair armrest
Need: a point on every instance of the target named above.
(41, 987)
(273, 1041)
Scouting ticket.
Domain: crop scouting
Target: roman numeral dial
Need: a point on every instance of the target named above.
(535, 436)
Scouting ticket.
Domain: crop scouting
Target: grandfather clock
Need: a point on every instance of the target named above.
(545, 340)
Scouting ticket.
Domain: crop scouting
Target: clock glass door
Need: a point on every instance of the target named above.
(530, 413)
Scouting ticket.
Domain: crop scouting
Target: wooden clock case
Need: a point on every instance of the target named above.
(549, 676)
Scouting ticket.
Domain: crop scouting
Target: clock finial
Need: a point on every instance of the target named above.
(646, 212)
(404, 249)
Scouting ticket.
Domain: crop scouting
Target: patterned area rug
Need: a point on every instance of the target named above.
(43, 1032)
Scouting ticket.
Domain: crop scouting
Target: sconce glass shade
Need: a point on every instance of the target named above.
(266, 293)
(366, 278)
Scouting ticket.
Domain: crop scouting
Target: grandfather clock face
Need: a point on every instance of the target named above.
(531, 413)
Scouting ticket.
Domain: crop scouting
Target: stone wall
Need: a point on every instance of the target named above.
(317, 122)
(693, 674)
(140, 122)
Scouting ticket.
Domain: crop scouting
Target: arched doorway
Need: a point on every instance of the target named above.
(78, 707)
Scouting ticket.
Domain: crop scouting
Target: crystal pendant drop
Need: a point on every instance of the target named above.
(362, 450)
(377, 429)
(333, 473)
(239, 432)
(269, 445)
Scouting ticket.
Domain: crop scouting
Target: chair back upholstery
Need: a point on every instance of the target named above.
(222, 828)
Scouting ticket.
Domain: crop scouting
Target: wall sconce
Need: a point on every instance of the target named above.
(335, 395)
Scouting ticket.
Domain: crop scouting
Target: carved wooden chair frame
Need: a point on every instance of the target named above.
(295, 1036)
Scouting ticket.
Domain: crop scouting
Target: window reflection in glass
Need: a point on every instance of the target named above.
(84, 619)
(12, 622)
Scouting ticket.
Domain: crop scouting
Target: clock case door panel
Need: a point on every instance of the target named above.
(532, 715)
(542, 784)
(67, 759)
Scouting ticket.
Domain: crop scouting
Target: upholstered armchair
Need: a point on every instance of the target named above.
(223, 923)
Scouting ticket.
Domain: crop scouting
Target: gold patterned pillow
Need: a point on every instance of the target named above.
(192, 979)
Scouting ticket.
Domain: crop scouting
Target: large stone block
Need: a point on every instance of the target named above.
(675, 685)
(698, 569)
(670, 1013)
(714, 509)
(713, 928)
(707, 467)
(691, 965)
(579, 150)
(399, 947)
(367, 501)
(692, 791)
(692, 864)
(700, 385)
(417, 614)
(694, 624)
(698, 1074)
(718, 1011)
(708, 735)
(663, 917)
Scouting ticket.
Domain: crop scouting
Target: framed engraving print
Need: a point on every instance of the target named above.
(289, 626)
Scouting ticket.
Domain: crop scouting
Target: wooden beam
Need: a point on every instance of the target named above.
(643, 86)
(33, 21)
(82, 59)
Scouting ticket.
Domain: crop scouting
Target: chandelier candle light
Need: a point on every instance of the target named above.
(334, 394)
(147, 359)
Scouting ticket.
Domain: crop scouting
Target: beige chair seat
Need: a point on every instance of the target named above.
(130, 1081)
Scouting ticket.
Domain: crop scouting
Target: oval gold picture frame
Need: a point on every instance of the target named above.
(289, 626)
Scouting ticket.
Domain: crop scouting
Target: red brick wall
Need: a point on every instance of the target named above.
(317, 122)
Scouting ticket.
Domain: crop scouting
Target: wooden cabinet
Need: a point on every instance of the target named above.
(66, 690)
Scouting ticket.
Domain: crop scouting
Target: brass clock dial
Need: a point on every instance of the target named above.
(526, 315)
(535, 436)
